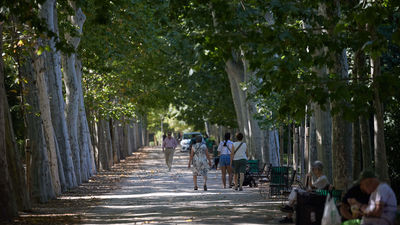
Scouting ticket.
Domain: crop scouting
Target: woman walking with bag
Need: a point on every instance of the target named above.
(198, 157)
(224, 150)
(239, 160)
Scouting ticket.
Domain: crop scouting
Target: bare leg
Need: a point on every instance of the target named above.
(230, 174)
(235, 179)
(241, 179)
(223, 172)
(195, 180)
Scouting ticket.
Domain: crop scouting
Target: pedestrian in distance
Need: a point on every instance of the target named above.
(200, 160)
(239, 160)
(168, 147)
(224, 151)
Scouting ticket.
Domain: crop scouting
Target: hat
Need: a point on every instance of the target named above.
(365, 174)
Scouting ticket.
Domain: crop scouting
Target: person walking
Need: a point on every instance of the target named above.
(168, 147)
(199, 157)
(239, 161)
(224, 151)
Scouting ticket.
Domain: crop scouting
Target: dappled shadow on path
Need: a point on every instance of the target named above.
(152, 194)
(140, 190)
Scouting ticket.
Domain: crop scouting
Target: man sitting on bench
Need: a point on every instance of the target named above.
(321, 182)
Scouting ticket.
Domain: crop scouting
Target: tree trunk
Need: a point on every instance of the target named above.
(357, 167)
(306, 142)
(295, 148)
(73, 92)
(313, 153)
(43, 68)
(381, 164)
(301, 148)
(323, 127)
(236, 70)
(281, 137)
(361, 71)
(289, 147)
(41, 179)
(8, 203)
(56, 101)
(341, 134)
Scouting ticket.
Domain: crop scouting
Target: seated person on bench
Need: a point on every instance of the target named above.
(350, 211)
(382, 204)
(320, 183)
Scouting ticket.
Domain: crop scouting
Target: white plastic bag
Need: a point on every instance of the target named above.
(331, 215)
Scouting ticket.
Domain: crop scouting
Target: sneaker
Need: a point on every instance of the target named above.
(286, 220)
(240, 189)
(287, 209)
(205, 187)
(195, 188)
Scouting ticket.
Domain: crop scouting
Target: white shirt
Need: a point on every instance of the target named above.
(241, 152)
(385, 195)
(225, 150)
(321, 182)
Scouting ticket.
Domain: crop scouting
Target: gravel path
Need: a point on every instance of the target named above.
(153, 195)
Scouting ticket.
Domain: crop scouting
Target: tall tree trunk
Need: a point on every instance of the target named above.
(295, 147)
(313, 153)
(301, 148)
(73, 92)
(44, 67)
(56, 101)
(381, 164)
(361, 72)
(88, 167)
(281, 143)
(357, 165)
(341, 134)
(8, 203)
(236, 70)
(306, 142)
(323, 127)
(41, 179)
(289, 147)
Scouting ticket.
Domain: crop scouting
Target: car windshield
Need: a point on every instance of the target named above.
(188, 136)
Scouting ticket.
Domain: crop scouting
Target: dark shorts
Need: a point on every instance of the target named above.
(239, 166)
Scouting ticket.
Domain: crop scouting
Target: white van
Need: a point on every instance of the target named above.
(185, 143)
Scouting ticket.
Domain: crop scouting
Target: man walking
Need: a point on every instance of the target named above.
(168, 147)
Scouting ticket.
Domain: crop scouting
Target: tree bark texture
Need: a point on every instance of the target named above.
(381, 164)
(8, 203)
(361, 72)
(41, 180)
(73, 92)
(313, 153)
(295, 148)
(341, 134)
(54, 82)
(237, 73)
(43, 65)
(357, 157)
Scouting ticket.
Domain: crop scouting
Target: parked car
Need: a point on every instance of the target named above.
(185, 143)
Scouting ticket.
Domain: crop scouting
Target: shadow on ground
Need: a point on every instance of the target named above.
(140, 190)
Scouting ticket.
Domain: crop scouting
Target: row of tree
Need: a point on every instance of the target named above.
(41, 77)
(314, 64)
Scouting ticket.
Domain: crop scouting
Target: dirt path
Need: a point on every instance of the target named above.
(149, 194)
(152, 194)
